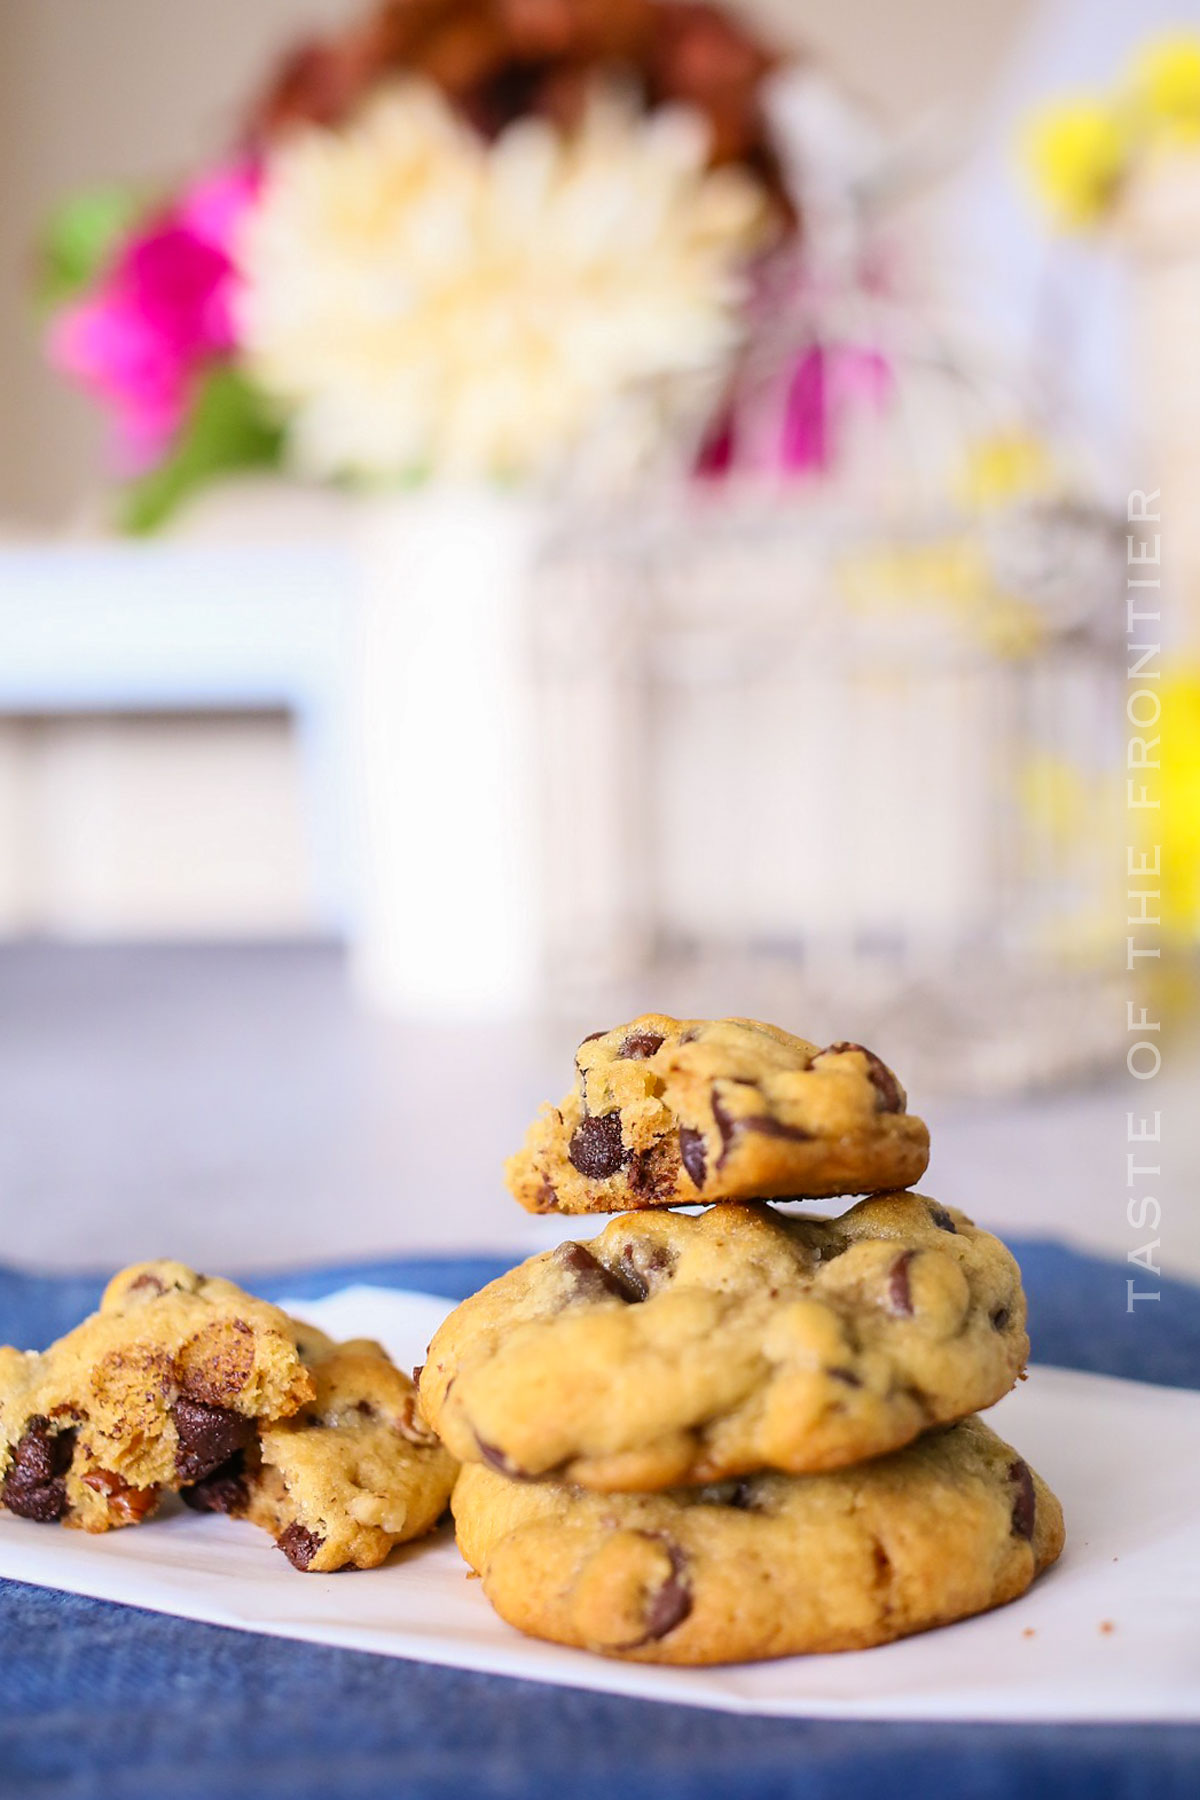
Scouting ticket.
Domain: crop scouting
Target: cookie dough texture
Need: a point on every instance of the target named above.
(771, 1565)
(354, 1472)
(167, 1380)
(677, 1348)
(666, 1112)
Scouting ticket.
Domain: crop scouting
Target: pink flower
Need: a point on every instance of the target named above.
(161, 315)
(792, 425)
(828, 383)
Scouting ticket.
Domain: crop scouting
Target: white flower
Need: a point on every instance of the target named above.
(416, 300)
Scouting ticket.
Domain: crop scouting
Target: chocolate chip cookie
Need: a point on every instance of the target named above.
(349, 1475)
(770, 1565)
(670, 1111)
(165, 1382)
(678, 1348)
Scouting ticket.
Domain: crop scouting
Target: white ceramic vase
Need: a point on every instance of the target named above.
(443, 752)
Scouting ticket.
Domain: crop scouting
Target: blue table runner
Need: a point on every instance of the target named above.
(108, 1701)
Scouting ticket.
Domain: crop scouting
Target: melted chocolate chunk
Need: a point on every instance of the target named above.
(208, 1436)
(1024, 1509)
(1000, 1318)
(889, 1097)
(691, 1153)
(547, 1196)
(596, 1149)
(942, 1219)
(729, 1127)
(639, 1266)
(148, 1281)
(669, 1605)
(768, 1127)
(899, 1291)
(639, 1045)
(299, 1545)
(226, 1490)
(590, 1280)
(35, 1486)
(724, 1124)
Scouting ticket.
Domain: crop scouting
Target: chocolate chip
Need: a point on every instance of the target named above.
(691, 1153)
(639, 1045)
(590, 1039)
(596, 1149)
(299, 1545)
(496, 1459)
(148, 1281)
(768, 1127)
(942, 1219)
(729, 1127)
(34, 1487)
(889, 1096)
(724, 1124)
(847, 1377)
(589, 1278)
(226, 1490)
(208, 1436)
(416, 1374)
(1000, 1318)
(640, 1266)
(669, 1605)
(899, 1291)
(547, 1196)
(1025, 1501)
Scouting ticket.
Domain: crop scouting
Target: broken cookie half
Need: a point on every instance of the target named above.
(351, 1474)
(674, 1112)
(174, 1374)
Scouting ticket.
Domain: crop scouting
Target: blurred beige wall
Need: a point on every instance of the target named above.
(140, 89)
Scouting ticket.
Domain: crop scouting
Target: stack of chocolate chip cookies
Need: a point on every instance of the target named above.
(741, 1432)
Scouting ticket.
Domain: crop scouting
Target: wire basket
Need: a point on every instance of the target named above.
(864, 781)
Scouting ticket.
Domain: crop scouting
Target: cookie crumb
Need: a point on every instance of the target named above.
(1029, 1632)
(1107, 1628)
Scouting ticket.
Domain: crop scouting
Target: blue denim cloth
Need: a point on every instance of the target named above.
(106, 1701)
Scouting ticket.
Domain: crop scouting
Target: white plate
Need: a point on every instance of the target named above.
(1112, 1633)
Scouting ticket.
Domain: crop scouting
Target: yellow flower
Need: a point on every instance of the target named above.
(1177, 822)
(1006, 466)
(1166, 88)
(419, 301)
(1077, 154)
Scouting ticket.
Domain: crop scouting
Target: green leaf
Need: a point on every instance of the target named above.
(79, 240)
(227, 429)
